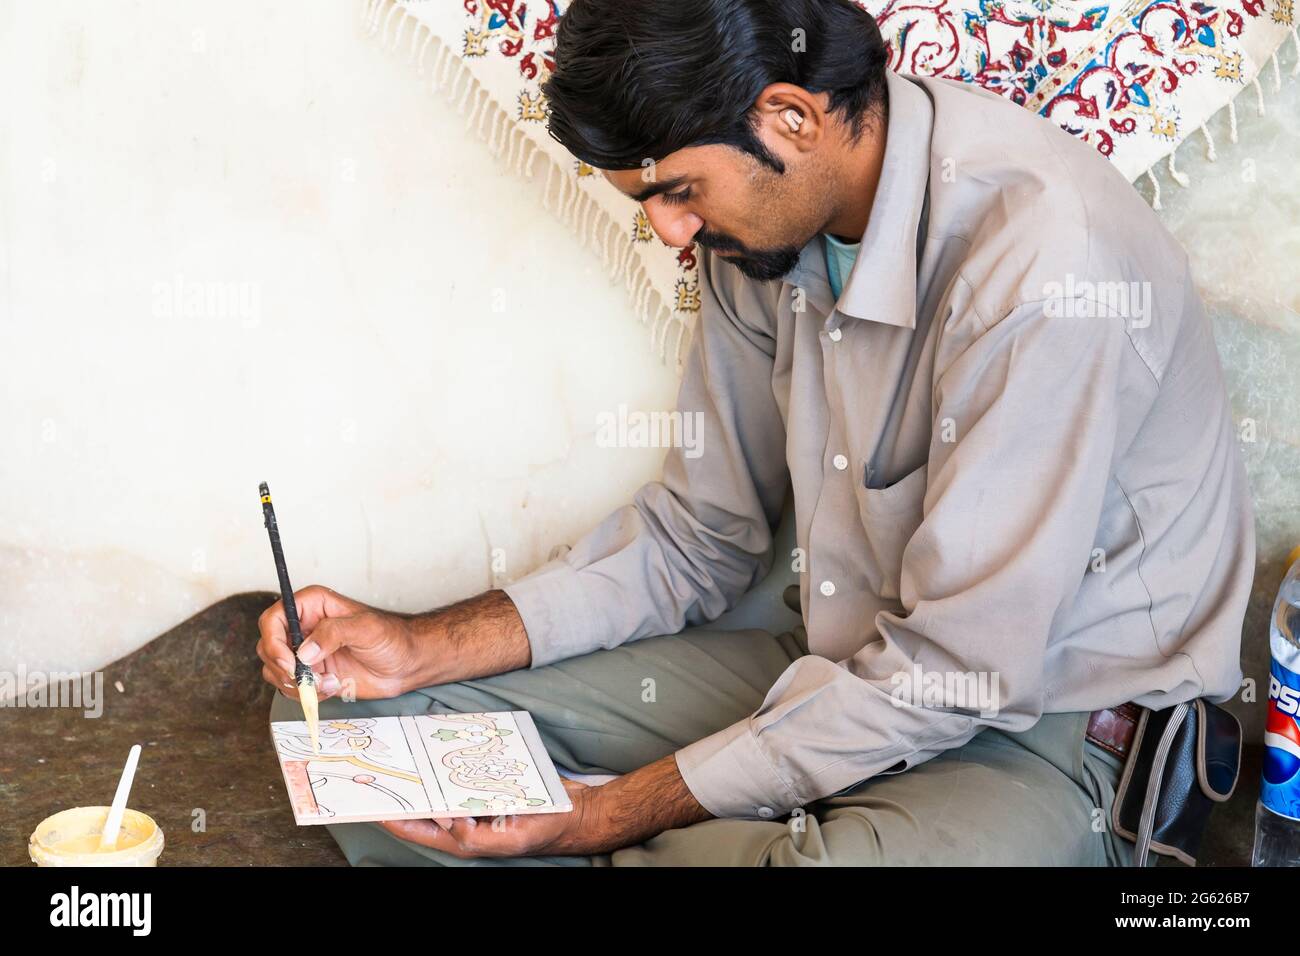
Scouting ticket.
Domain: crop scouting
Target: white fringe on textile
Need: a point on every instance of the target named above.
(508, 141)
(1230, 108)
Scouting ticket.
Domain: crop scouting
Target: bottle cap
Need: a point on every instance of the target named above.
(1293, 556)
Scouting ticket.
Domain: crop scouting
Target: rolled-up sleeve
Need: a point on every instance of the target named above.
(1025, 429)
(689, 546)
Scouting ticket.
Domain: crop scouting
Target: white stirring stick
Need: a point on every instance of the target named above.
(108, 838)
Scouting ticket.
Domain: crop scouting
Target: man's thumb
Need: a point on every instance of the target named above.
(326, 638)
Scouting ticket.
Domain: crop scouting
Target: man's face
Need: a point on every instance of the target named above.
(728, 201)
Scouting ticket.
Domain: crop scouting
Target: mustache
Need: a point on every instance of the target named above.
(762, 264)
(719, 241)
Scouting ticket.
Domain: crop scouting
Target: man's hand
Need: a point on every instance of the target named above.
(384, 654)
(625, 811)
(344, 641)
(526, 834)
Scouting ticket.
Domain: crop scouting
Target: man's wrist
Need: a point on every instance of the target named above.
(632, 808)
(477, 637)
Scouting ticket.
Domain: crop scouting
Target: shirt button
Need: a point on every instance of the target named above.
(840, 462)
(835, 335)
(766, 813)
(828, 588)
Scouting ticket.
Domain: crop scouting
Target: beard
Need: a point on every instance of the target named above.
(761, 264)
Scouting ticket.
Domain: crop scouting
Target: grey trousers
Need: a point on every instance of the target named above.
(1038, 798)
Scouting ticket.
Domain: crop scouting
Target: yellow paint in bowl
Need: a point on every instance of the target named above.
(71, 838)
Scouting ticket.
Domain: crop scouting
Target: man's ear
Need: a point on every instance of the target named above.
(791, 115)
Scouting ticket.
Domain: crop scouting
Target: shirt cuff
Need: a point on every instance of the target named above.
(728, 774)
(555, 613)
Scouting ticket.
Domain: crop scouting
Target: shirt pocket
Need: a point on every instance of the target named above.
(890, 516)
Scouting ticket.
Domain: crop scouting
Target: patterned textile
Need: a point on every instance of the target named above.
(1134, 78)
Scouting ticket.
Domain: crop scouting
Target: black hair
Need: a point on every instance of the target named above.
(635, 80)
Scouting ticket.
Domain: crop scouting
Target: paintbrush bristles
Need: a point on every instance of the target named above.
(311, 710)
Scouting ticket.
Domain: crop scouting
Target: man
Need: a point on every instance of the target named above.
(976, 359)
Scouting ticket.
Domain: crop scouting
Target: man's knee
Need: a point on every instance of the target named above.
(340, 708)
(282, 708)
(974, 806)
(984, 807)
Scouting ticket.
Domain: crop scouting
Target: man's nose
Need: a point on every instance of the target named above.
(676, 227)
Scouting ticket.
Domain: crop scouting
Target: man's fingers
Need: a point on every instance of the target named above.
(318, 603)
(330, 635)
(315, 605)
(327, 685)
(284, 665)
(425, 833)
(273, 644)
(490, 836)
(274, 662)
(465, 836)
(270, 675)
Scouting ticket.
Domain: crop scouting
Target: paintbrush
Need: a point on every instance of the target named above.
(302, 673)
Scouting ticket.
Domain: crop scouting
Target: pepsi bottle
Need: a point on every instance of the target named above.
(1277, 817)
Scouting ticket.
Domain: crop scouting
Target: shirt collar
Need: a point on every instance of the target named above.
(882, 284)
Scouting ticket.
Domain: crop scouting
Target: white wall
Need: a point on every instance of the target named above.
(404, 426)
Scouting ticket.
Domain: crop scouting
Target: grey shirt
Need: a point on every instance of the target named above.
(1016, 480)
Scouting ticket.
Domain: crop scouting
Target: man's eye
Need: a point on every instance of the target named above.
(677, 198)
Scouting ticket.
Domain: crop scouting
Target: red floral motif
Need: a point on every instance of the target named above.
(1102, 71)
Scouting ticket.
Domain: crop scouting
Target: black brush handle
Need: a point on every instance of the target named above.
(277, 551)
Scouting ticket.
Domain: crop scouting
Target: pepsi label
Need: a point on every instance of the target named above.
(1280, 791)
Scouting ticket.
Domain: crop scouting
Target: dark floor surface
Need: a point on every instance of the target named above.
(195, 699)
